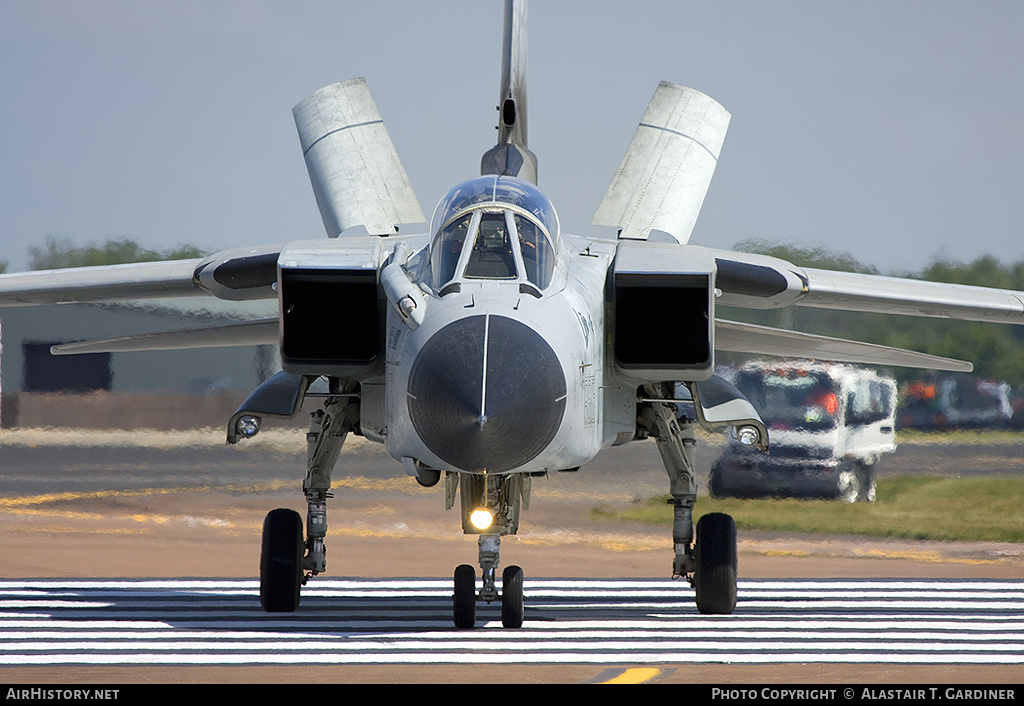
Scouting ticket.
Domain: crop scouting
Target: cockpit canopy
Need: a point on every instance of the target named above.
(495, 228)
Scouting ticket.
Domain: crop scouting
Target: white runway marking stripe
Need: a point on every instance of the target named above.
(362, 621)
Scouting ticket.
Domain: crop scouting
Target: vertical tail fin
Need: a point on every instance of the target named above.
(510, 156)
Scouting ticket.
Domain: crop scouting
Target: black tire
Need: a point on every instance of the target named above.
(464, 598)
(856, 483)
(714, 577)
(716, 486)
(512, 610)
(281, 561)
(868, 486)
(849, 483)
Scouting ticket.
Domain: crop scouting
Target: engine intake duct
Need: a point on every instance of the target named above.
(331, 321)
(663, 311)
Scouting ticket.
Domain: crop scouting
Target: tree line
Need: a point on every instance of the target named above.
(60, 253)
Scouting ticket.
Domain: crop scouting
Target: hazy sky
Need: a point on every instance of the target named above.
(890, 130)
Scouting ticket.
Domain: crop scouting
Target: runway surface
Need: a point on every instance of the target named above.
(594, 621)
(100, 515)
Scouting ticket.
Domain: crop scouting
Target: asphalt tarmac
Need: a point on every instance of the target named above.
(120, 504)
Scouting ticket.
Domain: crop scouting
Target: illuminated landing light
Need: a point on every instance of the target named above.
(481, 518)
(247, 427)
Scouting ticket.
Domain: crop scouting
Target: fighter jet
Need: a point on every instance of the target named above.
(495, 347)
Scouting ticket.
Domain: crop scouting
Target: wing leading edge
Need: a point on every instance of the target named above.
(236, 275)
(97, 284)
(762, 282)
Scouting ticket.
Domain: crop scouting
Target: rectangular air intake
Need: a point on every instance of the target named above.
(663, 312)
(331, 321)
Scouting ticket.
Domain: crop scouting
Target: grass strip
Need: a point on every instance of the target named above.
(989, 509)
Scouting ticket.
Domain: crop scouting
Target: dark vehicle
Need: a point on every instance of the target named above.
(955, 401)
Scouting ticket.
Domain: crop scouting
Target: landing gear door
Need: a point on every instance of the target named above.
(718, 404)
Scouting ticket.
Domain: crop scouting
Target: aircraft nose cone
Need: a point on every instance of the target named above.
(486, 393)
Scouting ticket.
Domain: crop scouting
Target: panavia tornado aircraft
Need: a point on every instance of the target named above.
(495, 347)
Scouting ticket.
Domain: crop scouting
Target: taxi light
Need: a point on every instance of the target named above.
(748, 435)
(248, 426)
(481, 518)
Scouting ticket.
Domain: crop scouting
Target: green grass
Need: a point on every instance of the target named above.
(914, 507)
(960, 437)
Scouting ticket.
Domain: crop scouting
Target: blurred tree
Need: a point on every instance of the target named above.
(61, 253)
(820, 258)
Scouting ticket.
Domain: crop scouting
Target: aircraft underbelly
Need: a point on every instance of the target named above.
(489, 385)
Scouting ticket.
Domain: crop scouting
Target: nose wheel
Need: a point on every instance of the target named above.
(512, 597)
(464, 599)
(465, 596)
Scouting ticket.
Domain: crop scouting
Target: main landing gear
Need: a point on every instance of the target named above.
(491, 505)
(708, 560)
(285, 558)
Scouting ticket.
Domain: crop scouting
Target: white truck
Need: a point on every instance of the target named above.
(828, 425)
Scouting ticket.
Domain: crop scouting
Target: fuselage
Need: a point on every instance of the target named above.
(504, 371)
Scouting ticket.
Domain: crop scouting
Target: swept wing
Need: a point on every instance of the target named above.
(762, 282)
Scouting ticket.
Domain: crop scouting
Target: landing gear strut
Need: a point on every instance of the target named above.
(285, 557)
(709, 562)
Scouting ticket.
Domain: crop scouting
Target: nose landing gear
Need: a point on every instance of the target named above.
(465, 597)
(502, 497)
